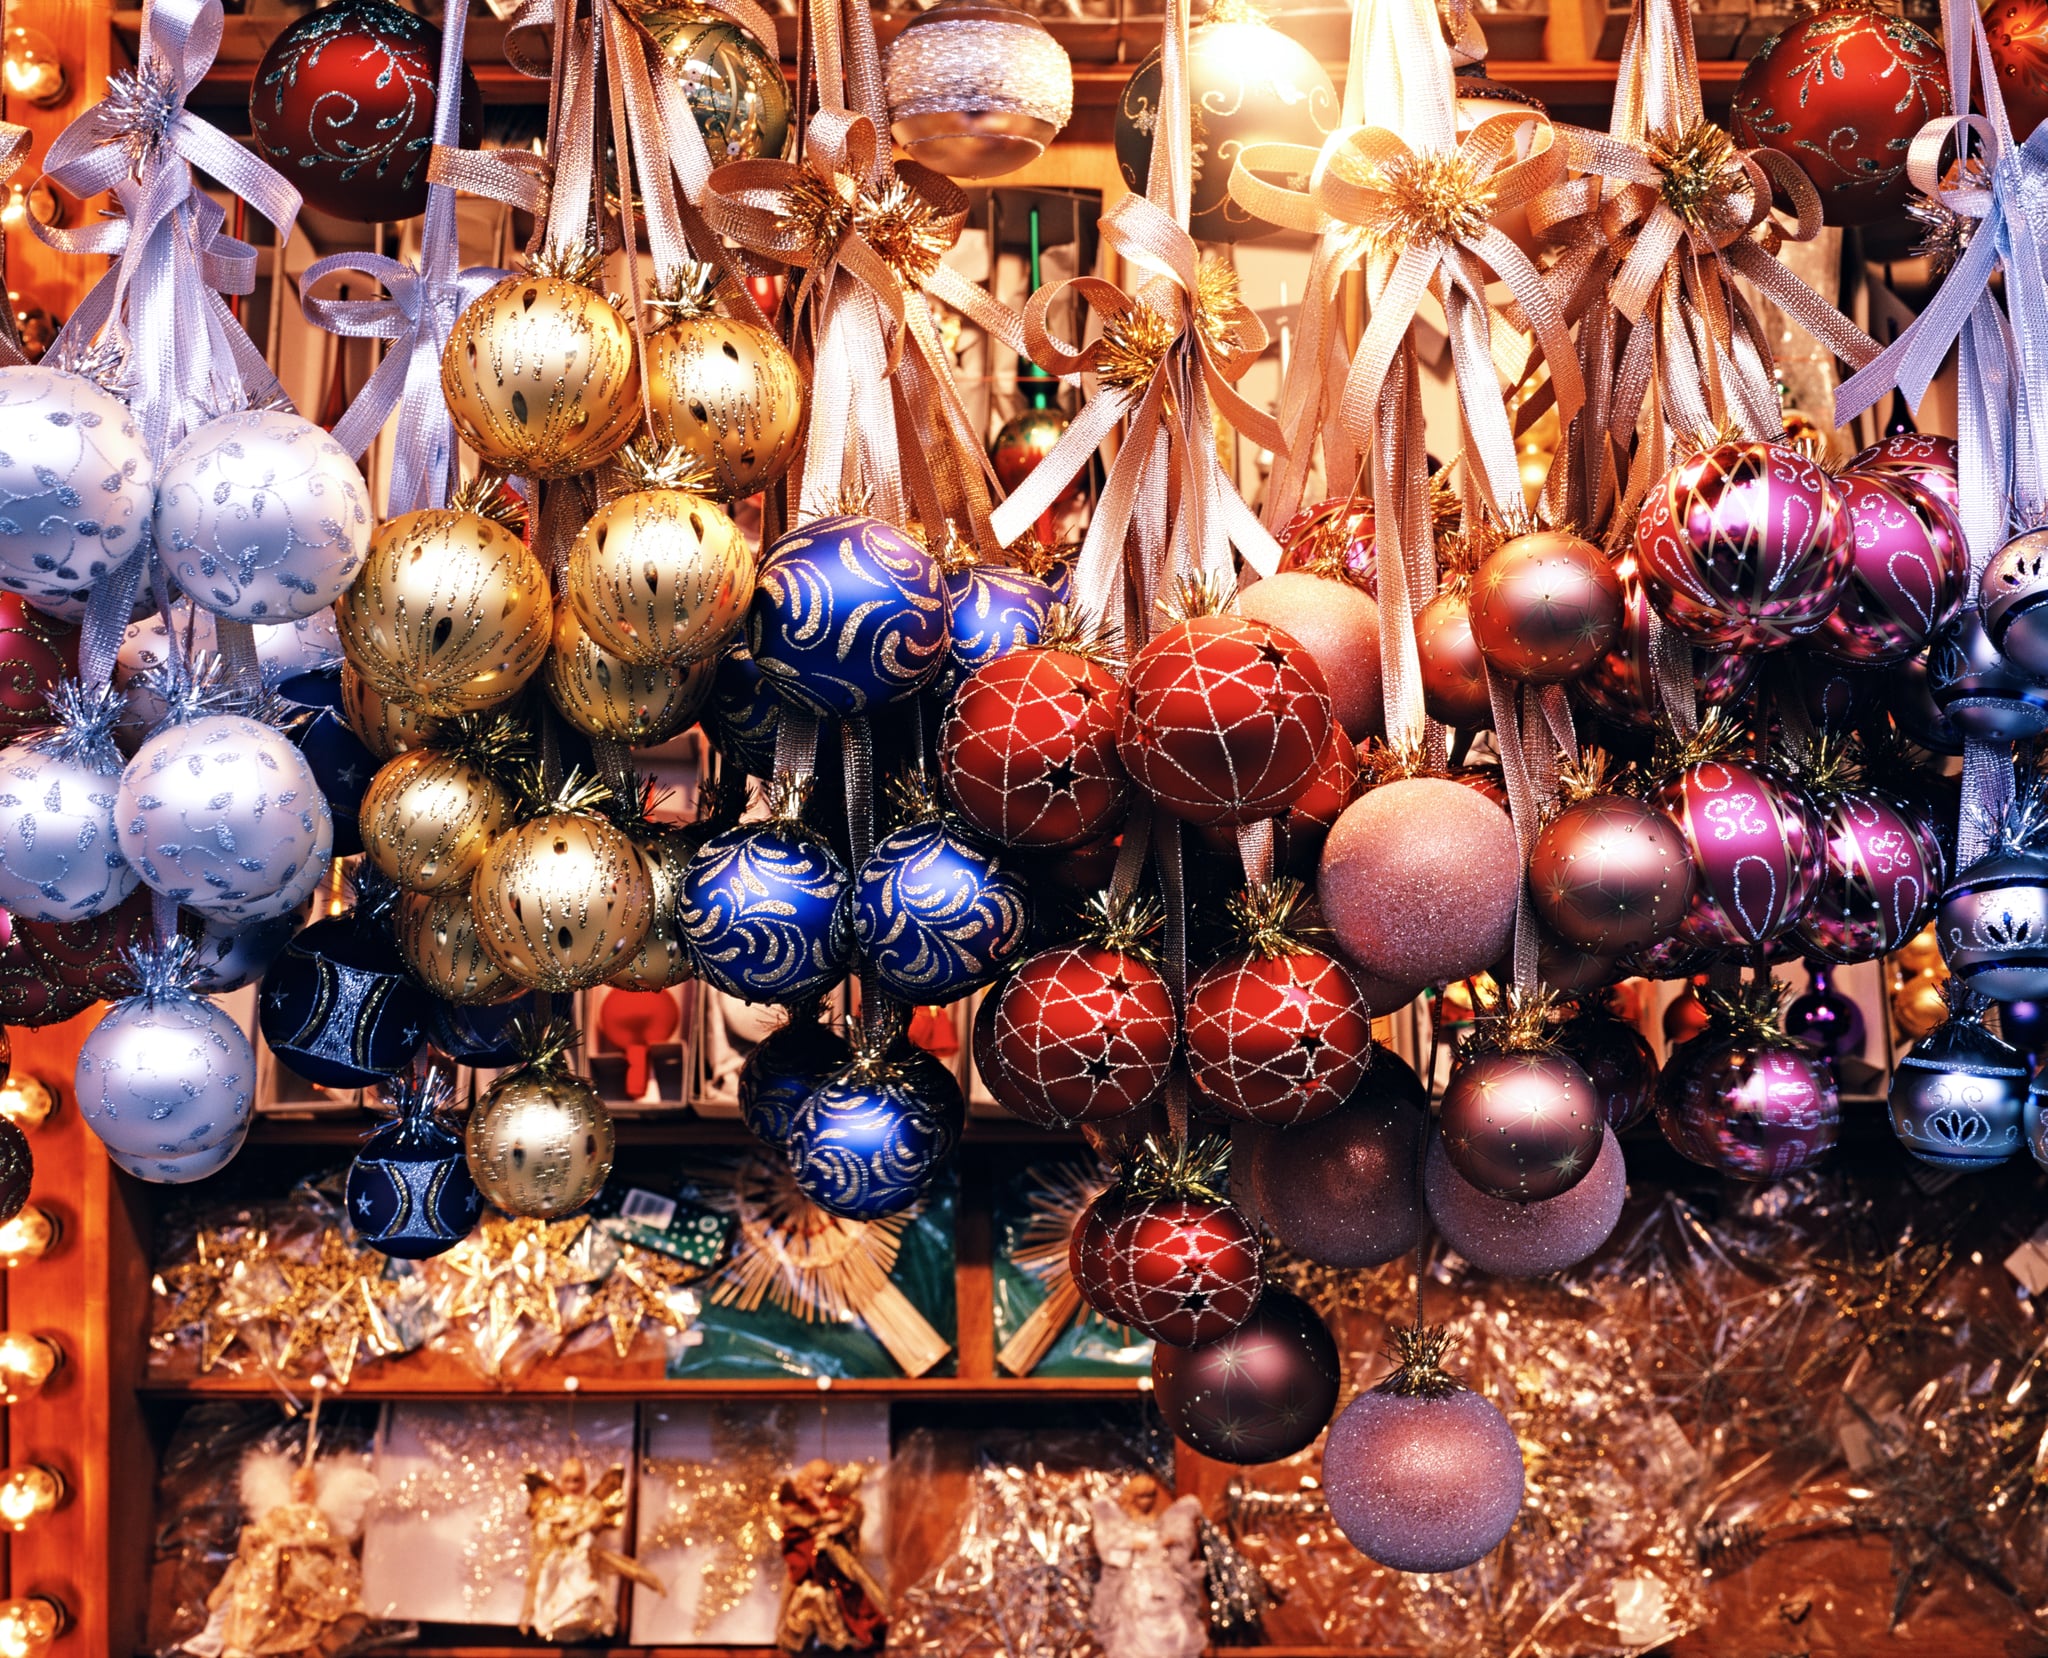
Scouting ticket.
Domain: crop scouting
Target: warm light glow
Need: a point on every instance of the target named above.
(26, 1363)
(16, 208)
(26, 1101)
(30, 67)
(29, 1628)
(29, 1236)
(27, 1493)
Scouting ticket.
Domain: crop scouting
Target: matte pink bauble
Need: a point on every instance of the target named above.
(1339, 625)
(1526, 1240)
(1610, 873)
(1262, 1392)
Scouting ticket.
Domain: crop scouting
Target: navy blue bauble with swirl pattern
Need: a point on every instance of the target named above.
(868, 1142)
(338, 1006)
(766, 912)
(781, 1073)
(937, 914)
(744, 714)
(851, 613)
(996, 610)
(410, 1193)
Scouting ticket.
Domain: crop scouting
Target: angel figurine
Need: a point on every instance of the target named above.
(293, 1585)
(830, 1598)
(1149, 1600)
(567, 1597)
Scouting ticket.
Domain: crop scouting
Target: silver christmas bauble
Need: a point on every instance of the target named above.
(60, 858)
(227, 954)
(262, 517)
(282, 650)
(977, 88)
(166, 1075)
(288, 901)
(76, 484)
(181, 1171)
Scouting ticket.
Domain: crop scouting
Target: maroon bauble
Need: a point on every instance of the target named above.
(1302, 826)
(30, 994)
(1345, 1191)
(1926, 459)
(1617, 1060)
(1522, 1124)
(343, 105)
(1186, 1268)
(1756, 847)
(1545, 607)
(1564, 967)
(2018, 34)
(1881, 877)
(1262, 1392)
(18, 1173)
(1744, 547)
(1091, 1255)
(92, 955)
(1028, 752)
(1839, 698)
(1908, 575)
(1622, 685)
(1844, 92)
(1610, 873)
(36, 651)
(1086, 1029)
(1527, 1240)
(1453, 671)
(1748, 1103)
(1339, 625)
(1280, 1037)
(1676, 957)
(1223, 719)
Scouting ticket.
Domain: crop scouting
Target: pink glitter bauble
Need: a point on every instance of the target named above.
(1526, 1240)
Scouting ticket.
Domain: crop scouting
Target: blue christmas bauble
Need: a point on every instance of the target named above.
(76, 485)
(932, 1079)
(851, 613)
(1959, 1096)
(410, 1192)
(766, 911)
(744, 712)
(867, 1143)
(781, 1072)
(995, 610)
(227, 955)
(60, 858)
(341, 765)
(166, 1074)
(936, 914)
(482, 1036)
(338, 1006)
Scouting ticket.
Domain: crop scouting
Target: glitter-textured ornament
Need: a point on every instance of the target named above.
(977, 88)
(311, 704)
(1756, 845)
(1743, 1098)
(1091, 1259)
(1420, 1472)
(602, 695)
(743, 713)
(1923, 457)
(76, 484)
(60, 856)
(1881, 876)
(868, 1140)
(936, 914)
(663, 959)
(30, 994)
(1453, 671)
(783, 1071)
(766, 908)
(1993, 920)
(725, 390)
(437, 936)
(733, 85)
(1908, 573)
(338, 1006)
(1609, 872)
(261, 517)
(1616, 1058)
(1959, 1096)
(185, 1168)
(851, 614)
(2014, 600)
(1260, 1393)
(539, 1143)
(1520, 1119)
(384, 726)
(36, 655)
(429, 814)
(1527, 1240)
(17, 1170)
(485, 1035)
(1979, 691)
(997, 610)
(409, 1191)
(283, 650)
(92, 957)
(1622, 685)
(1545, 607)
(1185, 1261)
(1338, 624)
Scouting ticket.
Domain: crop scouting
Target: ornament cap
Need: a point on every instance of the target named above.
(1749, 1009)
(1277, 918)
(1521, 1022)
(1125, 925)
(1418, 1352)
(84, 721)
(490, 496)
(424, 1098)
(1186, 1168)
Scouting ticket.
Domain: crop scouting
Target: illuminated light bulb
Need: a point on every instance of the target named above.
(16, 209)
(26, 1363)
(28, 1491)
(30, 1627)
(29, 1236)
(30, 67)
(26, 1101)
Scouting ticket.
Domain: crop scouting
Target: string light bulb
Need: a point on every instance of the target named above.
(29, 1627)
(26, 1101)
(26, 1363)
(28, 1491)
(30, 68)
(29, 1236)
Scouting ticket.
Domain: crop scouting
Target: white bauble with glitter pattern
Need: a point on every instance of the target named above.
(283, 649)
(167, 1075)
(60, 857)
(76, 485)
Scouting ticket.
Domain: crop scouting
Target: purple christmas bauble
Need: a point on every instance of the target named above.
(1959, 1096)
(1907, 575)
(1259, 1393)
(1754, 1105)
(1756, 844)
(1522, 1124)
(1616, 1059)
(1526, 1240)
(1881, 874)
(1826, 1020)
(1621, 685)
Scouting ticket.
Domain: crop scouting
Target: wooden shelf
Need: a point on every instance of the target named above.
(374, 1387)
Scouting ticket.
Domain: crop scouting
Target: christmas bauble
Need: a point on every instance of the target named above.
(261, 516)
(663, 959)
(1907, 574)
(725, 390)
(1616, 1059)
(226, 956)
(767, 912)
(1610, 873)
(540, 1142)
(783, 1071)
(1420, 1472)
(1545, 607)
(1338, 624)
(2013, 596)
(341, 765)
(1091, 1255)
(449, 614)
(1826, 1020)
(743, 713)
(977, 88)
(563, 900)
(1344, 1192)
(486, 1035)
(1744, 547)
(1186, 1267)
(1333, 538)
(1012, 1095)
(36, 654)
(1453, 671)
(850, 614)
(1021, 445)
(1522, 1123)
(732, 84)
(1420, 879)
(1992, 919)
(31, 994)
(343, 104)
(1959, 1096)
(1881, 877)
(166, 1073)
(1029, 752)
(1926, 459)
(1622, 685)
(1527, 1240)
(60, 855)
(437, 937)
(1258, 1394)
(1086, 1030)
(660, 575)
(77, 480)
(1744, 1100)
(90, 956)
(1839, 699)
(338, 1006)
(384, 726)
(2018, 36)
(1843, 92)
(936, 914)
(1223, 719)
(1757, 849)
(1979, 691)
(997, 610)
(870, 1139)
(17, 1170)
(185, 1169)
(409, 1191)
(1910, 698)
(1302, 827)
(430, 814)
(602, 695)
(1247, 84)
(540, 373)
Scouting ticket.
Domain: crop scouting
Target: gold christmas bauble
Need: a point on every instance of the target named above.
(563, 901)
(539, 1143)
(541, 376)
(732, 84)
(660, 575)
(427, 817)
(383, 725)
(602, 696)
(730, 393)
(1921, 953)
(1920, 1005)
(437, 937)
(662, 960)
(449, 614)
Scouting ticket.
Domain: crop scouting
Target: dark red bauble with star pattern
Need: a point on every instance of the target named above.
(1030, 749)
(1609, 873)
(1091, 1255)
(1279, 1039)
(1011, 1095)
(1087, 1030)
(1224, 719)
(1522, 1124)
(1301, 826)
(36, 651)
(1260, 1393)
(1185, 1268)
(1545, 607)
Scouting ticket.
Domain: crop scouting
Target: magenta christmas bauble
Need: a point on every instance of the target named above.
(1756, 845)
(1610, 873)
(1881, 877)
(1907, 573)
(1928, 460)
(1259, 1393)
(1522, 1124)
(1755, 1105)
(1545, 607)
(1621, 685)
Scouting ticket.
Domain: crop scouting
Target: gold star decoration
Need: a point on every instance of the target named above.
(188, 1294)
(643, 1284)
(726, 1503)
(514, 1269)
(335, 1302)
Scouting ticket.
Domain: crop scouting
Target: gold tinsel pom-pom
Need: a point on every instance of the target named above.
(1700, 172)
(1134, 343)
(1429, 201)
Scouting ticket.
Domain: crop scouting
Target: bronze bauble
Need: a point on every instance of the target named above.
(437, 937)
(1453, 672)
(730, 393)
(1545, 607)
(662, 959)
(427, 818)
(1522, 1124)
(384, 726)
(563, 901)
(660, 575)
(602, 696)
(449, 613)
(540, 1143)
(541, 377)
(1611, 873)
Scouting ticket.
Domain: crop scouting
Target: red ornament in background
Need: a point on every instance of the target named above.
(2018, 34)
(1333, 537)
(1091, 1255)
(1615, 1055)
(1185, 1263)
(633, 1021)
(36, 651)
(1907, 574)
(1024, 441)
(1844, 92)
(1928, 460)
(92, 955)
(1223, 719)
(1622, 684)
(1545, 607)
(343, 105)
(1029, 751)
(29, 993)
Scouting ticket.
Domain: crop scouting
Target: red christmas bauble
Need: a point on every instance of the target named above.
(1009, 1093)
(343, 105)
(1029, 750)
(92, 955)
(1090, 1031)
(1616, 1058)
(1844, 92)
(1522, 1124)
(1278, 1039)
(1744, 547)
(1262, 1392)
(1756, 848)
(29, 993)
(1301, 826)
(1453, 671)
(1545, 607)
(1223, 719)
(36, 651)
(1929, 460)
(1091, 1255)
(1622, 684)
(1333, 537)
(1023, 443)
(1907, 574)
(1609, 873)
(2018, 34)
(1186, 1269)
